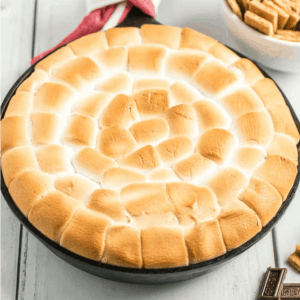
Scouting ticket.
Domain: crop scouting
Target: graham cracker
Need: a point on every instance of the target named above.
(294, 259)
(282, 15)
(265, 12)
(258, 23)
(235, 8)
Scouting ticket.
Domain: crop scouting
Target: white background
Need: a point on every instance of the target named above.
(29, 270)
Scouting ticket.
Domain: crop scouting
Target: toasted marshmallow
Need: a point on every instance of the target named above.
(242, 101)
(227, 184)
(45, 128)
(160, 34)
(19, 105)
(116, 142)
(152, 102)
(151, 83)
(113, 59)
(89, 44)
(107, 202)
(210, 115)
(120, 111)
(150, 131)
(85, 234)
(223, 53)
(183, 93)
(53, 159)
(124, 36)
(238, 224)
(182, 120)
(248, 158)
(174, 149)
(76, 186)
(216, 144)
(145, 158)
(92, 163)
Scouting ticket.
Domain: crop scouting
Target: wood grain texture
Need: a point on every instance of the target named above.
(16, 35)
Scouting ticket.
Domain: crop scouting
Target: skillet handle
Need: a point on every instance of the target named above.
(137, 18)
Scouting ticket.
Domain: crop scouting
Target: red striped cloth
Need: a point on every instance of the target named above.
(95, 21)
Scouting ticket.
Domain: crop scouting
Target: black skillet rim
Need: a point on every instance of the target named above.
(95, 264)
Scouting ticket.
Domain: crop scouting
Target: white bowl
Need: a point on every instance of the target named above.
(273, 53)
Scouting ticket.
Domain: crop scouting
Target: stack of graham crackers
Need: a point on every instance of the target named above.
(277, 18)
(294, 259)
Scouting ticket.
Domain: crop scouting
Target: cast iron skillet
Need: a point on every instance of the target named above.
(147, 276)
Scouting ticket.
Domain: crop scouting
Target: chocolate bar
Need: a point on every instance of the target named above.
(290, 291)
(272, 284)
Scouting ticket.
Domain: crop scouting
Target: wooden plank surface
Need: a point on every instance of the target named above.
(44, 276)
(16, 41)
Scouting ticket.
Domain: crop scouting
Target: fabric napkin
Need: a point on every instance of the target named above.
(103, 14)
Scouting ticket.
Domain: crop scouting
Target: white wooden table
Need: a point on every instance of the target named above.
(29, 270)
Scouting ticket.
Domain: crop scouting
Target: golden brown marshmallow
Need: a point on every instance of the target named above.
(263, 198)
(81, 131)
(80, 72)
(19, 105)
(52, 213)
(193, 167)
(213, 78)
(119, 177)
(89, 44)
(210, 115)
(283, 121)
(53, 97)
(150, 83)
(116, 142)
(216, 144)
(123, 247)
(124, 36)
(164, 247)
(17, 161)
(113, 59)
(162, 175)
(45, 128)
(279, 172)
(93, 105)
(53, 159)
(238, 224)
(33, 82)
(205, 241)
(56, 59)
(255, 128)
(92, 163)
(182, 120)
(183, 93)
(148, 198)
(283, 146)
(85, 234)
(196, 40)
(249, 69)
(28, 188)
(227, 184)
(150, 131)
(152, 102)
(175, 148)
(223, 53)
(199, 202)
(268, 92)
(160, 34)
(120, 111)
(107, 202)
(242, 101)
(184, 64)
(248, 158)
(146, 59)
(145, 158)
(116, 84)
(14, 133)
(76, 186)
